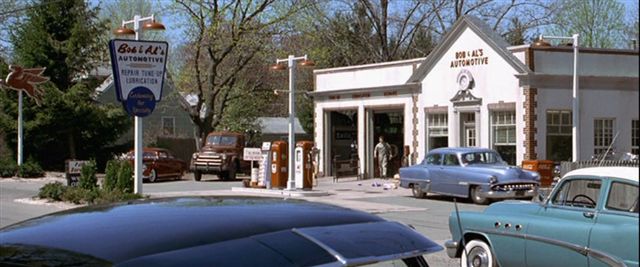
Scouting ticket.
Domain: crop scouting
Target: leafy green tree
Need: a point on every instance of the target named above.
(63, 37)
(600, 23)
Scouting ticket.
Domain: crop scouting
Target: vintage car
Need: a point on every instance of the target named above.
(159, 164)
(469, 172)
(589, 219)
(213, 231)
(222, 155)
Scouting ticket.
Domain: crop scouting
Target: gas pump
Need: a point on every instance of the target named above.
(303, 165)
(279, 175)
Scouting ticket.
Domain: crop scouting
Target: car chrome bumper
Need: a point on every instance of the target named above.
(510, 194)
(452, 248)
(207, 168)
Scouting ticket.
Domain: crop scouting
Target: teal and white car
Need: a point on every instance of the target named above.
(589, 219)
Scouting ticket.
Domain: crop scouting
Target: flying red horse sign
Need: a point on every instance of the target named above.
(21, 79)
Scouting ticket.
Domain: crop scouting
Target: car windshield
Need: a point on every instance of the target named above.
(484, 157)
(221, 140)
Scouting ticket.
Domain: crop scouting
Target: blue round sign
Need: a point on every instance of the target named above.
(140, 102)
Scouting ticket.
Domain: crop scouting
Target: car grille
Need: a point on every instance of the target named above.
(209, 159)
(513, 187)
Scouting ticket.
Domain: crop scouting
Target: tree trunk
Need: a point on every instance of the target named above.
(72, 145)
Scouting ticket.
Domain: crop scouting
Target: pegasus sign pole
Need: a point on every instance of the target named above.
(21, 79)
(20, 134)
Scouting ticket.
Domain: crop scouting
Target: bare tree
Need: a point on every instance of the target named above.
(368, 31)
(227, 37)
(530, 14)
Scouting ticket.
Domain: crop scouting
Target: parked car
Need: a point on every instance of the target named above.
(215, 231)
(468, 172)
(589, 219)
(159, 164)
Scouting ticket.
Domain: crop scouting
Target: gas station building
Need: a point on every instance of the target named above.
(474, 89)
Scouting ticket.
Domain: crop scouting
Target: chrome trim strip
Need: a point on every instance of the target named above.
(329, 250)
(585, 251)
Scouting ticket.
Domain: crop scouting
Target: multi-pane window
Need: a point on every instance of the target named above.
(635, 137)
(438, 125)
(503, 124)
(603, 135)
(503, 134)
(559, 134)
(438, 130)
(168, 126)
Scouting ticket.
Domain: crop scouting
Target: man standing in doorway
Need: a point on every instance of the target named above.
(382, 152)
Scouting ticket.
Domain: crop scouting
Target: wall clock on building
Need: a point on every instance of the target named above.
(465, 80)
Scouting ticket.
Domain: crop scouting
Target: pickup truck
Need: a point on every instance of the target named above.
(221, 155)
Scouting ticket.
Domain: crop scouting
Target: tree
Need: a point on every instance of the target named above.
(10, 14)
(600, 23)
(516, 34)
(531, 14)
(632, 25)
(63, 37)
(226, 38)
(367, 31)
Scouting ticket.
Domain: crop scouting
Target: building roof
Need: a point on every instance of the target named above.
(278, 125)
(488, 35)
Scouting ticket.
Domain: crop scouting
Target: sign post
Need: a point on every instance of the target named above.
(21, 79)
(138, 72)
(253, 154)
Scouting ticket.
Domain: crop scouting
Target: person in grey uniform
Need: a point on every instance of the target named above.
(382, 152)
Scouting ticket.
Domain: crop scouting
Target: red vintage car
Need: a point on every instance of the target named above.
(159, 164)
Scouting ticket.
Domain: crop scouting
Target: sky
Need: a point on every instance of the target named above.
(175, 33)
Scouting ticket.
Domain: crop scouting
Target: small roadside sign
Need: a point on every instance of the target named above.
(72, 170)
(138, 72)
(252, 154)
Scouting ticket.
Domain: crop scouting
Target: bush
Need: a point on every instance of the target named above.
(75, 195)
(117, 186)
(125, 177)
(53, 191)
(111, 175)
(88, 178)
(30, 169)
(8, 167)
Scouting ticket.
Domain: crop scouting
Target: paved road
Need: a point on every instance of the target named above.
(428, 216)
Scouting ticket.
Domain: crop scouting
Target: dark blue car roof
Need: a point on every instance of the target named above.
(135, 230)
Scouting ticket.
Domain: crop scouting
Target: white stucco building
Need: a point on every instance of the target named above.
(475, 90)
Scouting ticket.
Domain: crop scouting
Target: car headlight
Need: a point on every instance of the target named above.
(144, 167)
(224, 156)
(194, 156)
(493, 180)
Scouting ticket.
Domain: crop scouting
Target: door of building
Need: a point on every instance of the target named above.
(468, 123)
